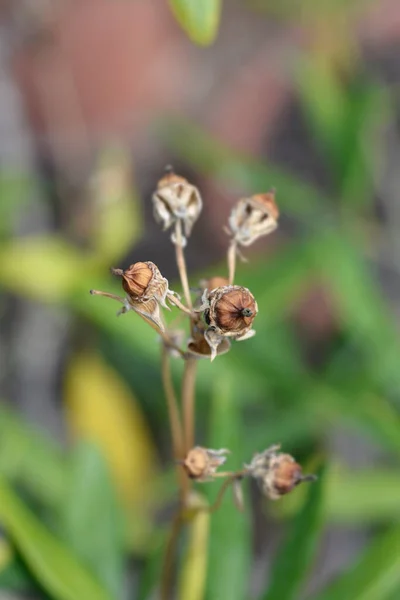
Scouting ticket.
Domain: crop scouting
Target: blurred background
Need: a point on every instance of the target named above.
(96, 97)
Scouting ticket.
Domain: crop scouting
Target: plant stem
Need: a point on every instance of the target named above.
(188, 401)
(181, 263)
(232, 261)
(172, 404)
(167, 578)
(179, 304)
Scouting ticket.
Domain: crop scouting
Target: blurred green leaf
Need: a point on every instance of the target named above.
(117, 218)
(50, 561)
(91, 518)
(31, 459)
(362, 309)
(374, 576)
(199, 18)
(296, 553)
(15, 189)
(230, 542)
(355, 497)
(44, 268)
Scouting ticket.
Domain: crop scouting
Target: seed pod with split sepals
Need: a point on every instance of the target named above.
(253, 217)
(202, 463)
(143, 281)
(176, 200)
(230, 311)
(276, 473)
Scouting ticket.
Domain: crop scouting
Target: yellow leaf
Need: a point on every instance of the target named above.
(193, 574)
(101, 408)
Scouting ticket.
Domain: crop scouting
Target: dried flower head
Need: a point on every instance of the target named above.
(176, 200)
(202, 463)
(143, 281)
(253, 217)
(231, 310)
(276, 473)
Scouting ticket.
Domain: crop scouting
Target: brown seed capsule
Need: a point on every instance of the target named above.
(143, 281)
(232, 310)
(276, 473)
(253, 217)
(202, 463)
(176, 200)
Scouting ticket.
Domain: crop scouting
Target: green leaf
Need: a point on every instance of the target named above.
(199, 18)
(117, 221)
(44, 268)
(52, 563)
(230, 543)
(354, 497)
(91, 518)
(374, 576)
(296, 553)
(32, 460)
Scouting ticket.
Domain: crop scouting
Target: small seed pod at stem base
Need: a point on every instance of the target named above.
(175, 199)
(201, 464)
(276, 473)
(201, 344)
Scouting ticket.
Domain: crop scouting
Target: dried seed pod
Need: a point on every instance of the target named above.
(232, 310)
(143, 281)
(253, 217)
(202, 463)
(276, 473)
(176, 200)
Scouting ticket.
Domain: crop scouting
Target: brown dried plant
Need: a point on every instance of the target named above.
(222, 311)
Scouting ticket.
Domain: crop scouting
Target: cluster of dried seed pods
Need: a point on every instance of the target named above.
(222, 311)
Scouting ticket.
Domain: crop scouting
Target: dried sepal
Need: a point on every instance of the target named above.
(237, 492)
(254, 217)
(201, 463)
(276, 473)
(203, 344)
(175, 199)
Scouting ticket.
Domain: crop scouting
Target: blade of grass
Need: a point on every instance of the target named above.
(296, 553)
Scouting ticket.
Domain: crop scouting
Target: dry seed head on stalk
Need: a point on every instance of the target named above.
(253, 217)
(213, 282)
(175, 199)
(231, 310)
(276, 473)
(143, 281)
(202, 463)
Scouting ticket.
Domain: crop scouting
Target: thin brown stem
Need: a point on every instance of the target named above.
(188, 401)
(181, 263)
(179, 304)
(172, 404)
(107, 295)
(224, 487)
(232, 252)
(167, 577)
